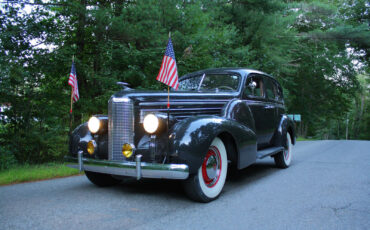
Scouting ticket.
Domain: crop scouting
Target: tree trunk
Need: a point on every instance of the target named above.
(80, 42)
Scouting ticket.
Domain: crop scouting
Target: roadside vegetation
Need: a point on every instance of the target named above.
(27, 173)
(306, 139)
(317, 49)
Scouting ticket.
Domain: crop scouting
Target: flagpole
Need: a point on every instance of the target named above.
(168, 87)
(70, 111)
(168, 91)
(168, 110)
(70, 114)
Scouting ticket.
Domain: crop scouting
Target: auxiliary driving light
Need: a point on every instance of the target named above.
(127, 150)
(91, 146)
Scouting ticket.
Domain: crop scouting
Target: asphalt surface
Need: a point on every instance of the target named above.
(326, 187)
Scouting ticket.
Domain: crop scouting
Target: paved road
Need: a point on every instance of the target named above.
(327, 187)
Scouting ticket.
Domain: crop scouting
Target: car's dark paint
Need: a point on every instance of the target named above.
(196, 118)
(81, 136)
(238, 111)
(79, 139)
(285, 125)
(266, 111)
(191, 138)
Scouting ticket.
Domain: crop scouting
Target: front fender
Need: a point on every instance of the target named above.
(79, 139)
(191, 138)
(81, 136)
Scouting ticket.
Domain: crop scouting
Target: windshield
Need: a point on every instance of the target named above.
(221, 82)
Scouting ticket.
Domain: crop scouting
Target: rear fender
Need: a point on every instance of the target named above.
(286, 124)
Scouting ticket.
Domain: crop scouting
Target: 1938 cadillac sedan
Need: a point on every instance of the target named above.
(219, 119)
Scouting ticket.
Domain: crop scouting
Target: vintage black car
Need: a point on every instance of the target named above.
(219, 119)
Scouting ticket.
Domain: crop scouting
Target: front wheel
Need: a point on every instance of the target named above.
(206, 185)
(283, 159)
(100, 179)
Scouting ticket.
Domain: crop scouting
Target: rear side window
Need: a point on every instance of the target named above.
(270, 89)
(279, 92)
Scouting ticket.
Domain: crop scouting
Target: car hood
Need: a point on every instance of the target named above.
(183, 104)
(139, 96)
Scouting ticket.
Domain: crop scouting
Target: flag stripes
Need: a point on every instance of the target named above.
(72, 81)
(168, 72)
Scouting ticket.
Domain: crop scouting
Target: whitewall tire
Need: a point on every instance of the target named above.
(207, 184)
(284, 159)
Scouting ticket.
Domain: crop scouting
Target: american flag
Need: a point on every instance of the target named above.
(168, 72)
(72, 81)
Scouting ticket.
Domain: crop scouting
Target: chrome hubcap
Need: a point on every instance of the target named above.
(211, 167)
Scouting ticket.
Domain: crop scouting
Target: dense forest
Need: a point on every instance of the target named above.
(318, 50)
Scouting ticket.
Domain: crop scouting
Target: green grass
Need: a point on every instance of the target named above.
(305, 139)
(35, 172)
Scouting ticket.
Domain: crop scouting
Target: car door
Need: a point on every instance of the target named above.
(270, 107)
(279, 104)
(254, 97)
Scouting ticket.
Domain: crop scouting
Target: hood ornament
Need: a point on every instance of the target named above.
(124, 85)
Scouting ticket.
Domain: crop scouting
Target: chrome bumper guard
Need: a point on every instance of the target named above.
(136, 169)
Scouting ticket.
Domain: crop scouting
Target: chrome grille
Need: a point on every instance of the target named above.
(120, 126)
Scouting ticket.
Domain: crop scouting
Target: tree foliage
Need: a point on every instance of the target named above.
(318, 50)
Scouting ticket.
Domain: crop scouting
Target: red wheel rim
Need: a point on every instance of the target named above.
(211, 167)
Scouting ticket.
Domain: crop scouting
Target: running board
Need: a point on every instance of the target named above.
(268, 152)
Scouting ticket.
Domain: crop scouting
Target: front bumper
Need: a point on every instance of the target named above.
(136, 169)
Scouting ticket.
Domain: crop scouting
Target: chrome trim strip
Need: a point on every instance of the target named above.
(183, 109)
(120, 99)
(184, 112)
(183, 103)
(129, 168)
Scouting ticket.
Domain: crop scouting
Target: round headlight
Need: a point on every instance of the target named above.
(94, 124)
(151, 123)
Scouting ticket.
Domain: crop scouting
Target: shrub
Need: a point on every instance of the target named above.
(7, 159)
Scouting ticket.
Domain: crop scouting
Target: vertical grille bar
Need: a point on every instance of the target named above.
(120, 126)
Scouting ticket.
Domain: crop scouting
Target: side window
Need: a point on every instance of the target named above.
(254, 87)
(271, 92)
(279, 92)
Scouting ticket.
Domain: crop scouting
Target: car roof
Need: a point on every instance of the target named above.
(241, 70)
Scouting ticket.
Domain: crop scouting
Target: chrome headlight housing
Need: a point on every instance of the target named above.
(151, 123)
(94, 124)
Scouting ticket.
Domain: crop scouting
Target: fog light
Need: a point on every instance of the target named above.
(91, 146)
(127, 150)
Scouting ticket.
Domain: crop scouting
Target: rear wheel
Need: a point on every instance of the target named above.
(101, 180)
(206, 185)
(283, 159)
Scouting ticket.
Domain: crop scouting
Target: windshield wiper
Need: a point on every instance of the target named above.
(201, 81)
